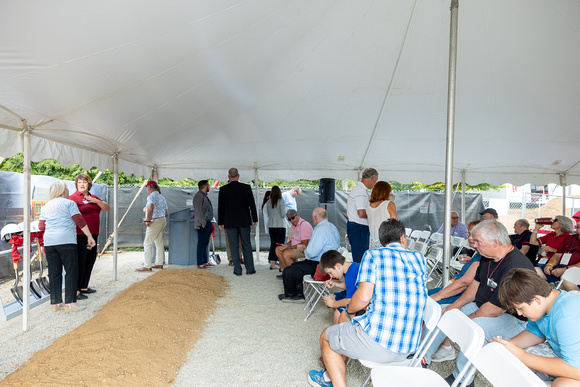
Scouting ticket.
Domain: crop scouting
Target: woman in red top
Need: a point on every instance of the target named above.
(550, 242)
(90, 207)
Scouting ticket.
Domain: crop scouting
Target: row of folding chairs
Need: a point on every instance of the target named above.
(495, 362)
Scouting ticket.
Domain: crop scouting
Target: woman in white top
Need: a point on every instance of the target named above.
(276, 223)
(379, 209)
(265, 210)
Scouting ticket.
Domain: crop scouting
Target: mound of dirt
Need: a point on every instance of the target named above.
(140, 338)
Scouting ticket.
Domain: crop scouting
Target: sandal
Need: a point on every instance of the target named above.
(73, 307)
(57, 307)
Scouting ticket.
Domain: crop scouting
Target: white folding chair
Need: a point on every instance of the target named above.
(420, 247)
(415, 235)
(465, 333)
(408, 232)
(406, 376)
(436, 238)
(425, 236)
(313, 293)
(410, 244)
(431, 316)
(434, 260)
(570, 275)
(503, 369)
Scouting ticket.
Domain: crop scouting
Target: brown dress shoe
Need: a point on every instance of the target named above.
(242, 261)
(143, 269)
(157, 266)
(201, 267)
(231, 263)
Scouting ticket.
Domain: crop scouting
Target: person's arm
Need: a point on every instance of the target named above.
(487, 310)
(467, 297)
(552, 262)
(80, 222)
(525, 249)
(550, 365)
(362, 213)
(332, 283)
(392, 208)
(102, 205)
(457, 286)
(526, 339)
(534, 240)
(149, 214)
(361, 297)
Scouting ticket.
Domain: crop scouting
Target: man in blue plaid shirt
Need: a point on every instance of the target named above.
(392, 282)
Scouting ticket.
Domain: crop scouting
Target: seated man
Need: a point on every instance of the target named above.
(521, 240)
(488, 214)
(343, 276)
(392, 281)
(551, 338)
(568, 255)
(300, 233)
(480, 300)
(458, 229)
(324, 237)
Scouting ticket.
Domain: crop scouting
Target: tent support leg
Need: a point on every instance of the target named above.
(257, 185)
(450, 139)
(115, 213)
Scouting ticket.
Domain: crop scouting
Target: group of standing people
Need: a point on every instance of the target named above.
(71, 228)
(366, 211)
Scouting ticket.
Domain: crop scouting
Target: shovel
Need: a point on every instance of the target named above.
(42, 281)
(34, 287)
(213, 256)
(16, 290)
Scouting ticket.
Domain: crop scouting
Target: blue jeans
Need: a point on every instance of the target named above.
(504, 325)
(358, 236)
(203, 235)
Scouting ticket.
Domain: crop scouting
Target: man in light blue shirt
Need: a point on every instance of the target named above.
(325, 237)
(458, 229)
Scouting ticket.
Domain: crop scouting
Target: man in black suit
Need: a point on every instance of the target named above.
(236, 213)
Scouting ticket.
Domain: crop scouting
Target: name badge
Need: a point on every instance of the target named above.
(565, 259)
(491, 283)
(543, 261)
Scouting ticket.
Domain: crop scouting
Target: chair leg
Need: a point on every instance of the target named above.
(366, 382)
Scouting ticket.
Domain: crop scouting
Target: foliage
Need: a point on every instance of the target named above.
(51, 167)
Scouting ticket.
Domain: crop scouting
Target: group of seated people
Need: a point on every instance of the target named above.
(378, 314)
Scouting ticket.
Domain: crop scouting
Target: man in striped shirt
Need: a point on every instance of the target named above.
(392, 282)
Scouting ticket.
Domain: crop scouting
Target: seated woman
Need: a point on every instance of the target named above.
(550, 242)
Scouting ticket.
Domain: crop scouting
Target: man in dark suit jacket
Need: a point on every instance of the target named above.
(236, 213)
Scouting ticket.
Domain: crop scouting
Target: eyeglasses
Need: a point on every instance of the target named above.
(292, 218)
(455, 217)
(468, 234)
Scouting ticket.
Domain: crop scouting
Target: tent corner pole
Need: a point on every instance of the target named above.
(115, 213)
(450, 139)
(26, 149)
(563, 185)
(256, 187)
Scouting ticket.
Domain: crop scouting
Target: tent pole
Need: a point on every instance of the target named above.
(563, 185)
(26, 232)
(450, 139)
(115, 213)
(463, 197)
(257, 185)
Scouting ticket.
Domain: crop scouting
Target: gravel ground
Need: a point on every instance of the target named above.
(253, 339)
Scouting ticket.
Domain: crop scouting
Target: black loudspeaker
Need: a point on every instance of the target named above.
(326, 191)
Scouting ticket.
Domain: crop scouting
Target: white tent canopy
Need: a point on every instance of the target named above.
(296, 89)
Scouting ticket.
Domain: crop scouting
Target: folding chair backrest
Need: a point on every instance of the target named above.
(425, 235)
(463, 331)
(420, 247)
(408, 232)
(436, 238)
(415, 234)
(435, 254)
(410, 244)
(431, 316)
(457, 241)
(502, 369)
(571, 275)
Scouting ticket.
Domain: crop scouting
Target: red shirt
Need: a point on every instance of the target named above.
(551, 240)
(571, 245)
(89, 211)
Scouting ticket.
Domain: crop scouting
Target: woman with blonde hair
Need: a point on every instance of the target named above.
(379, 209)
(59, 219)
(90, 207)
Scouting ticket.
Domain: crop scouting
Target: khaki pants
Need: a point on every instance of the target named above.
(154, 234)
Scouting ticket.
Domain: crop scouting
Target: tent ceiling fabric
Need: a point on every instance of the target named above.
(296, 88)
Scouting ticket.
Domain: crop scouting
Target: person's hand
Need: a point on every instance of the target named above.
(548, 249)
(91, 242)
(548, 269)
(448, 308)
(559, 271)
(91, 199)
(221, 226)
(254, 224)
(330, 283)
(329, 301)
(514, 349)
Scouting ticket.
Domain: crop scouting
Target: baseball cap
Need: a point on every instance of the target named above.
(489, 211)
(291, 213)
(151, 182)
(576, 215)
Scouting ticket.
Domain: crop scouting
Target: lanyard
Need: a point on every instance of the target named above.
(499, 263)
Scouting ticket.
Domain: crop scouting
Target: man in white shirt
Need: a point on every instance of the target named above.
(357, 226)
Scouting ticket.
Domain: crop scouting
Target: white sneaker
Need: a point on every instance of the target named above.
(443, 354)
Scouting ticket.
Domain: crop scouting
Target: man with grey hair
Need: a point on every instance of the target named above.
(236, 213)
(357, 226)
(290, 198)
(521, 240)
(480, 300)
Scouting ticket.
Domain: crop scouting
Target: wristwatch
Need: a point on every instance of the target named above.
(347, 312)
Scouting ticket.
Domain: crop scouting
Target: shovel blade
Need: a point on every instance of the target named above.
(42, 286)
(35, 290)
(17, 293)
